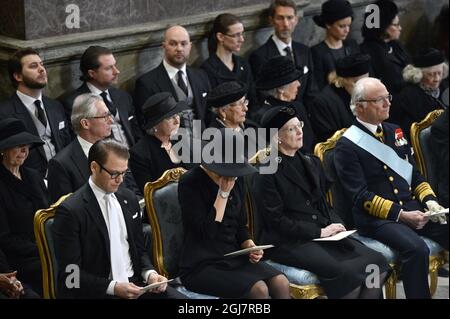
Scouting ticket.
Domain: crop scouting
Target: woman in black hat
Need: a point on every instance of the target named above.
(278, 83)
(22, 193)
(292, 204)
(212, 201)
(331, 108)
(388, 56)
(336, 17)
(153, 154)
(223, 65)
(423, 93)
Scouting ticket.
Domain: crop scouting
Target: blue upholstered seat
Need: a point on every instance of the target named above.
(295, 275)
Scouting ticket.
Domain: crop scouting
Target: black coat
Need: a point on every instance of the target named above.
(324, 61)
(148, 161)
(19, 201)
(309, 138)
(67, 171)
(157, 80)
(61, 131)
(121, 100)
(303, 61)
(293, 205)
(4, 267)
(413, 105)
(219, 73)
(331, 112)
(387, 61)
(439, 149)
(81, 238)
(371, 184)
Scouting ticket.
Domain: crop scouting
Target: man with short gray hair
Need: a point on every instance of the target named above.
(91, 121)
(375, 166)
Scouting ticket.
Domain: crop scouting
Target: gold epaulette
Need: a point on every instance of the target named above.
(423, 190)
(378, 207)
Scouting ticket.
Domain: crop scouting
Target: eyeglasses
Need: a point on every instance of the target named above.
(105, 117)
(114, 175)
(293, 128)
(240, 103)
(379, 100)
(235, 35)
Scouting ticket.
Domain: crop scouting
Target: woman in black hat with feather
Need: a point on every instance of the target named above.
(331, 108)
(278, 83)
(293, 207)
(388, 56)
(212, 201)
(22, 193)
(336, 18)
(153, 154)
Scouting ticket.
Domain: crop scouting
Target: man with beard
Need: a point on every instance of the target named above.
(42, 116)
(99, 74)
(172, 75)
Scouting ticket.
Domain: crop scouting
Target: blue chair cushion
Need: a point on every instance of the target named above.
(295, 275)
(434, 247)
(388, 253)
(193, 295)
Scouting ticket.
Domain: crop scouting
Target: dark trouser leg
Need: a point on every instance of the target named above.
(170, 293)
(414, 256)
(437, 232)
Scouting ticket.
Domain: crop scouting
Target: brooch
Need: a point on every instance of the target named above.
(399, 138)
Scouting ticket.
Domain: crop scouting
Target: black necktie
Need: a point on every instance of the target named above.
(40, 113)
(109, 105)
(181, 83)
(379, 134)
(289, 53)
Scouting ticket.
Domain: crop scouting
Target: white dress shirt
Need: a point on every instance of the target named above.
(371, 127)
(281, 45)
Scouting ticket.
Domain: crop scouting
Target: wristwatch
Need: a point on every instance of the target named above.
(223, 194)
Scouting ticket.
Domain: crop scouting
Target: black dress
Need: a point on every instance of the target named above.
(19, 201)
(439, 149)
(331, 112)
(203, 267)
(387, 61)
(293, 208)
(325, 58)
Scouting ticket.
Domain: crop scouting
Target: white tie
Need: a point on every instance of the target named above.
(118, 266)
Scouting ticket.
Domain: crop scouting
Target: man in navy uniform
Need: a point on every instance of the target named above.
(375, 165)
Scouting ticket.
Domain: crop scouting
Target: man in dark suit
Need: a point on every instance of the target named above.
(42, 116)
(376, 168)
(98, 229)
(69, 170)
(283, 17)
(99, 74)
(174, 76)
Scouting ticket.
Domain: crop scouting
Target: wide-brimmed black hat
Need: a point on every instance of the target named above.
(332, 11)
(428, 57)
(353, 65)
(161, 106)
(276, 72)
(226, 93)
(14, 133)
(225, 154)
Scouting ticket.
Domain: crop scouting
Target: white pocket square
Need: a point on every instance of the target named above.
(136, 215)
(131, 117)
(61, 125)
(305, 69)
(204, 94)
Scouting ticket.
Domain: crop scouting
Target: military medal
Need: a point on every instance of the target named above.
(399, 138)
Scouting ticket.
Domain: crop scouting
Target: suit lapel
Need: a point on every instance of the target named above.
(164, 82)
(292, 174)
(53, 122)
(193, 81)
(127, 216)
(123, 114)
(93, 208)
(79, 160)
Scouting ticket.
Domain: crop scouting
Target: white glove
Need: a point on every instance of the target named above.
(434, 207)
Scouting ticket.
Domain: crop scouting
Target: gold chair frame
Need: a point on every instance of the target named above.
(436, 261)
(169, 176)
(40, 218)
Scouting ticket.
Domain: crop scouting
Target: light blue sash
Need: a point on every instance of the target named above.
(381, 151)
